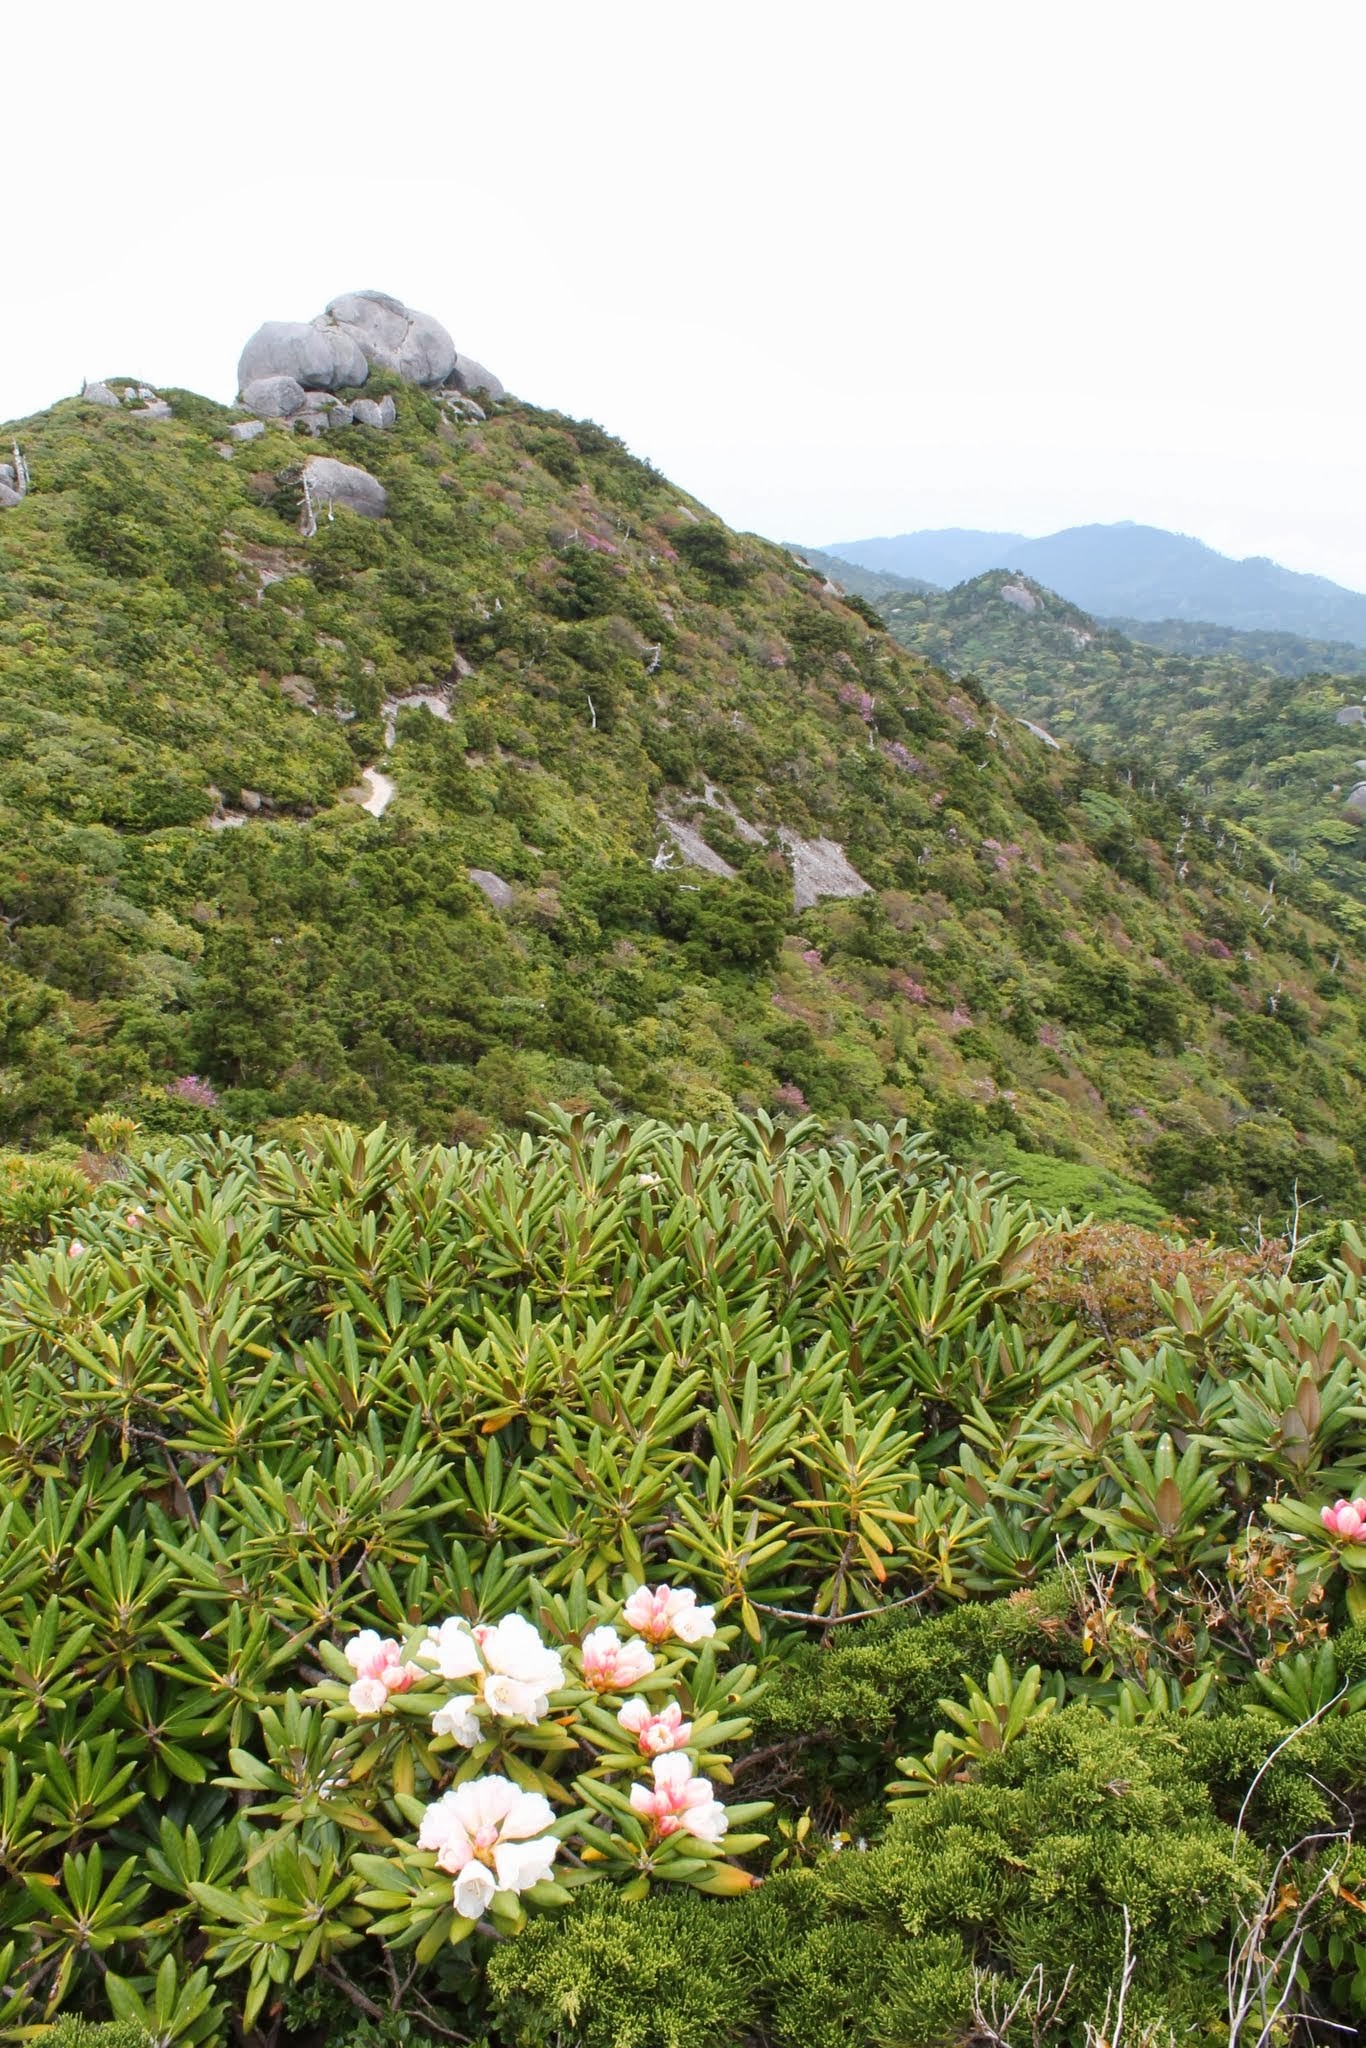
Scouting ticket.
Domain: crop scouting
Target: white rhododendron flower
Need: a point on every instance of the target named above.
(679, 1800)
(451, 1650)
(514, 1673)
(458, 1718)
(514, 1654)
(609, 1665)
(491, 1838)
(658, 1612)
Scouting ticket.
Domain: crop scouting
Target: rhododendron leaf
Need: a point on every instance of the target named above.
(725, 1881)
(548, 1893)
(376, 1869)
(447, 1927)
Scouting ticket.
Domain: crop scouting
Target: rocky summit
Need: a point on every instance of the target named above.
(287, 363)
(473, 767)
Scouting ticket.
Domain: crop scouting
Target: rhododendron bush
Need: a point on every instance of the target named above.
(484, 1591)
(526, 1771)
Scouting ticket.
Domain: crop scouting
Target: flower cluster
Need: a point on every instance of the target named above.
(610, 1665)
(655, 1733)
(494, 1836)
(513, 1674)
(491, 1838)
(1347, 1519)
(679, 1800)
(663, 1611)
(380, 1670)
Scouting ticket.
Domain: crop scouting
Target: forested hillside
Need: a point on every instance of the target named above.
(633, 754)
(1288, 653)
(1237, 741)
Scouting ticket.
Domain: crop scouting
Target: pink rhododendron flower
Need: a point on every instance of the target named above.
(368, 1695)
(659, 1612)
(491, 1838)
(658, 1733)
(458, 1718)
(75, 1250)
(609, 1665)
(135, 1218)
(678, 1800)
(379, 1667)
(1347, 1519)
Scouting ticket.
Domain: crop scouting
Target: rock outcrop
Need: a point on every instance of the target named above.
(820, 867)
(316, 355)
(360, 331)
(342, 483)
(694, 848)
(498, 892)
(273, 398)
(13, 481)
(138, 398)
(471, 377)
(391, 336)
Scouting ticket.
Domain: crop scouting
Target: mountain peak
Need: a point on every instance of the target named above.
(1131, 570)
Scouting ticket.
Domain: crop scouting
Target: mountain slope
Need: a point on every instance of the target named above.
(1133, 571)
(591, 687)
(1237, 740)
(869, 583)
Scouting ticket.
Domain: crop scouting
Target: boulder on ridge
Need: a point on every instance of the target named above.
(320, 357)
(393, 336)
(469, 377)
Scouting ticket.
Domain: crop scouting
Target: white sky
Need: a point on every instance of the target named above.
(840, 270)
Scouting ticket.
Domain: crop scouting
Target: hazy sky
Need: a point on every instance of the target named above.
(840, 270)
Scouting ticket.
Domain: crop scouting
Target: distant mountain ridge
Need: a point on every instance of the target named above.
(1127, 570)
(870, 583)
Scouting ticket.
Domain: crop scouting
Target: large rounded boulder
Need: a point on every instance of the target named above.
(342, 483)
(392, 336)
(318, 358)
(472, 378)
(360, 331)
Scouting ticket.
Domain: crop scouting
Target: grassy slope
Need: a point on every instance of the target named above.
(1030, 968)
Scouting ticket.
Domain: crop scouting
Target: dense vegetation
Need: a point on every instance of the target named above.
(1102, 1735)
(1239, 742)
(1050, 971)
(1288, 653)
